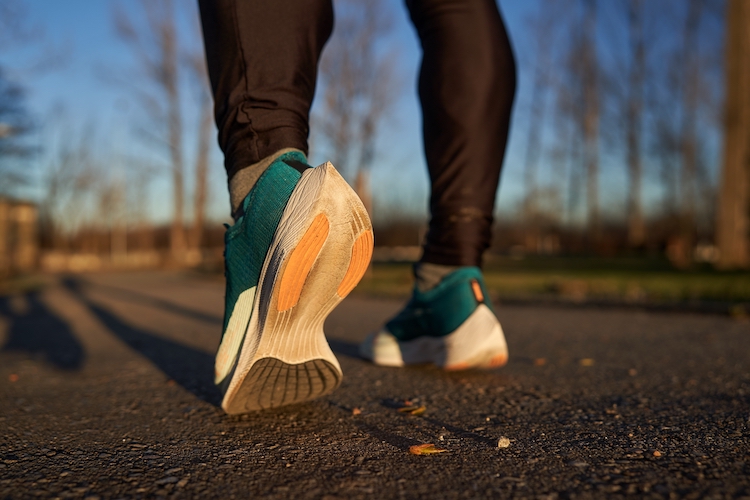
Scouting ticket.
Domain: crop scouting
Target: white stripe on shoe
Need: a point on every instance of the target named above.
(232, 339)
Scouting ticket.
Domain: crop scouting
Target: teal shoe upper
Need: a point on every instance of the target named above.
(248, 240)
(441, 310)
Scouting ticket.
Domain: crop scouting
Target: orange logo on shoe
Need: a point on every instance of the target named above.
(477, 291)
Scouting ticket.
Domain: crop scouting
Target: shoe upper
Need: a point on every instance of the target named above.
(441, 310)
(246, 245)
(247, 241)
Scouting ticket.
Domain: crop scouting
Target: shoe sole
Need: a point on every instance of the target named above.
(320, 251)
(478, 343)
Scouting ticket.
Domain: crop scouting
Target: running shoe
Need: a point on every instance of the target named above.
(302, 243)
(452, 326)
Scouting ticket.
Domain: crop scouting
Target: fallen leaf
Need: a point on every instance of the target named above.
(13, 377)
(356, 411)
(657, 453)
(413, 410)
(503, 442)
(425, 449)
(587, 362)
(540, 361)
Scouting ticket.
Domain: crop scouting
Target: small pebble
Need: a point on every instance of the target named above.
(657, 453)
(503, 442)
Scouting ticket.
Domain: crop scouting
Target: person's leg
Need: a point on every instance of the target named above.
(262, 62)
(302, 238)
(466, 88)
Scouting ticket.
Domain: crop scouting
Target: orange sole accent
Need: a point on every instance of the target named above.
(457, 367)
(495, 362)
(361, 255)
(498, 361)
(301, 262)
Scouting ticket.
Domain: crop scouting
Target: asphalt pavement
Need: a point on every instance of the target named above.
(106, 392)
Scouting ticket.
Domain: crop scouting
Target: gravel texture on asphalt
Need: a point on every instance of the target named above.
(106, 392)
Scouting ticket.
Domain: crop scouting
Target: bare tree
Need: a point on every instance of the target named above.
(689, 141)
(634, 121)
(197, 66)
(590, 113)
(360, 87)
(732, 225)
(69, 184)
(156, 47)
(578, 102)
(543, 26)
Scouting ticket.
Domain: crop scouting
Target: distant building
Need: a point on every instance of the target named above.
(19, 247)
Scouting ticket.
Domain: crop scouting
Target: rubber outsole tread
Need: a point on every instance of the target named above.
(272, 383)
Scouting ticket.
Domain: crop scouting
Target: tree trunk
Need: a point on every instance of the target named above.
(591, 118)
(201, 173)
(689, 140)
(170, 82)
(362, 188)
(636, 228)
(732, 225)
(534, 148)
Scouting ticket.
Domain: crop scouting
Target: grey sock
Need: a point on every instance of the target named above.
(427, 276)
(244, 180)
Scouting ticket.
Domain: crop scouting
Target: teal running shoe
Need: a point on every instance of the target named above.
(302, 243)
(452, 326)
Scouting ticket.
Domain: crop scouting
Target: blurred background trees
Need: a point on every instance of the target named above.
(637, 92)
(630, 132)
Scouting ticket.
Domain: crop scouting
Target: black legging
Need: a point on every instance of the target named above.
(263, 58)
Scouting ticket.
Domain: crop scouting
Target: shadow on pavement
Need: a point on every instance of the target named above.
(191, 368)
(140, 298)
(34, 329)
(344, 348)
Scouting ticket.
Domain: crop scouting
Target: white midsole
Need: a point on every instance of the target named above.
(478, 340)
